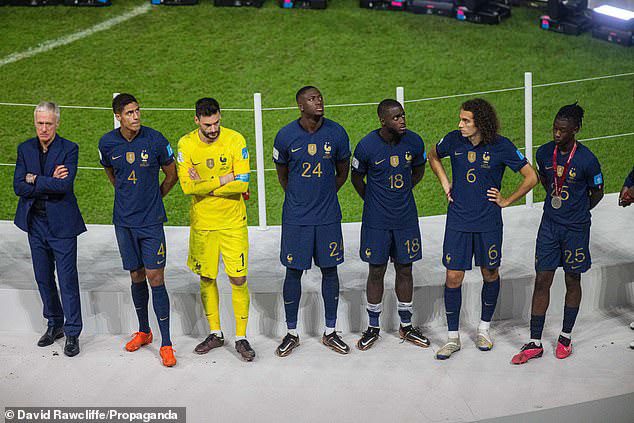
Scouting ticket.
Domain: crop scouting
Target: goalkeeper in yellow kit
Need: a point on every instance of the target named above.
(213, 167)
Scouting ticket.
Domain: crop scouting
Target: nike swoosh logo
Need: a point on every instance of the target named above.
(164, 319)
(492, 264)
(379, 162)
(457, 154)
(196, 164)
(160, 262)
(288, 302)
(295, 150)
(548, 168)
(339, 258)
(241, 270)
(575, 267)
(115, 158)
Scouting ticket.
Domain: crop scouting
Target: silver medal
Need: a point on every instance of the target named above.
(555, 202)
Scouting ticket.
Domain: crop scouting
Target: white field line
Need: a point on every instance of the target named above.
(67, 39)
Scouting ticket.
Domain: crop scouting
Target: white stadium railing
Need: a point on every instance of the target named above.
(258, 110)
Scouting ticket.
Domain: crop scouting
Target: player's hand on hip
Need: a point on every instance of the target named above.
(60, 172)
(193, 174)
(448, 194)
(496, 197)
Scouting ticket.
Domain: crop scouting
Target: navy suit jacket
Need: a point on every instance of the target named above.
(62, 211)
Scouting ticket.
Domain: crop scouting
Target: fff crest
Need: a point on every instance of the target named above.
(312, 149)
(486, 156)
(408, 157)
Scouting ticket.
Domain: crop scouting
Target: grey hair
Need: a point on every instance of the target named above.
(48, 107)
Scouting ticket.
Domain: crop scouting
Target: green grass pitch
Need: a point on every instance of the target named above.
(171, 56)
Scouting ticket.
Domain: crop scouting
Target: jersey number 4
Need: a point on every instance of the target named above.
(132, 177)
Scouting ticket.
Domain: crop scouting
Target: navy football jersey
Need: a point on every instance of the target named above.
(136, 165)
(629, 181)
(389, 201)
(311, 194)
(584, 172)
(474, 171)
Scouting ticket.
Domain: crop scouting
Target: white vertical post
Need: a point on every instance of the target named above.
(400, 96)
(116, 122)
(528, 126)
(259, 159)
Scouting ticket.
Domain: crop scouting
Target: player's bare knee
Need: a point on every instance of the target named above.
(490, 274)
(138, 276)
(238, 281)
(543, 281)
(403, 270)
(573, 280)
(454, 278)
(155, 277)
(376, 274)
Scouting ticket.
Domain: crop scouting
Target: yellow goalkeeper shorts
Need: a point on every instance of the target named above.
(206, 247)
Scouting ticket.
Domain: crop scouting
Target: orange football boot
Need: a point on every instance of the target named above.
(167, 354)
(138, 340)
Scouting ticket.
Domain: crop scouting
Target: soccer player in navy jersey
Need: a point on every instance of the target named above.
(386, 166)
(479, 156)
(312, 158)
(132, 156)
(572, 178)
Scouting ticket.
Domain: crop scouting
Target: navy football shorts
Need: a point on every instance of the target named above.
(142, 247)
(459, 249)
(561, 246)
(403, 246)
(303, 243)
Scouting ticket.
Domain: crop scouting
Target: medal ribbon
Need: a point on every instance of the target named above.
(556, 180)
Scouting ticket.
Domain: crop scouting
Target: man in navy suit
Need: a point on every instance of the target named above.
(47, 210)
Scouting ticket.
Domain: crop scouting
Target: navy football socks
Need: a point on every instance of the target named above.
(490, 291)
(140, 298)
(292, 293)
(537, 326)
(570, 316)
(161, 304)
(330, 294)
(453, 302)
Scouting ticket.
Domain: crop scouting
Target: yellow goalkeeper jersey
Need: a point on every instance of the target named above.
(228, 154)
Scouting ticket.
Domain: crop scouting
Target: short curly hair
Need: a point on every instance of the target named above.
(484, 117)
